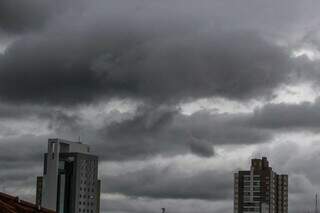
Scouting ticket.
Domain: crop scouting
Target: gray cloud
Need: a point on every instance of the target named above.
(165, 131)
(16, 112)
(161, 53)
(18, 150)
(131, 205)
(96, 53)
(22, 16)
(304, 116)
(169, 183)
(21, 161)
(282, 16)
(201, 148)
(149, 131)
(88, 58)
(299, 160)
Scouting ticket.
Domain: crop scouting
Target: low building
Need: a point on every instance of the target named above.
(11, 204)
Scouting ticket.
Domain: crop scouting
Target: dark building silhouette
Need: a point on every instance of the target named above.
(260, 190)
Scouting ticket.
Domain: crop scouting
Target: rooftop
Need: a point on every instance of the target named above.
(68, 146)
(11, 204)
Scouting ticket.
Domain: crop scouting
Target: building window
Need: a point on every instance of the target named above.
(256, 189)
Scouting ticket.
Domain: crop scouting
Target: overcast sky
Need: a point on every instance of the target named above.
(173, 95)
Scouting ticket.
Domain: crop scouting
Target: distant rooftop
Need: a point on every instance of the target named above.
(68, 146)
(11, 204)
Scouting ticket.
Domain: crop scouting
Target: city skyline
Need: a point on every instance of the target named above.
(174, 96)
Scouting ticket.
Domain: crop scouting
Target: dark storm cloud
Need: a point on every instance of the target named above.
(147, 120)
(96, 59)
(169, 183)
(201, 148)
(22, 16)
(148, 132)
(161, 53)
(166, 131)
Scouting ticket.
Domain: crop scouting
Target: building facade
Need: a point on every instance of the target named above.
(70, 178)
(260, 190)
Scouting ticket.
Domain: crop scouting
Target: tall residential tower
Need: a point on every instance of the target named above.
(260, 190)
(70, 178)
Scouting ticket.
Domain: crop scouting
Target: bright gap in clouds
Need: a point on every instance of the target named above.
(97, 115)
(295, 94)
(218, 105)
(311, 53)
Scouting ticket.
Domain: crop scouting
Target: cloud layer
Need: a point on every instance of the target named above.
(64, 66)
